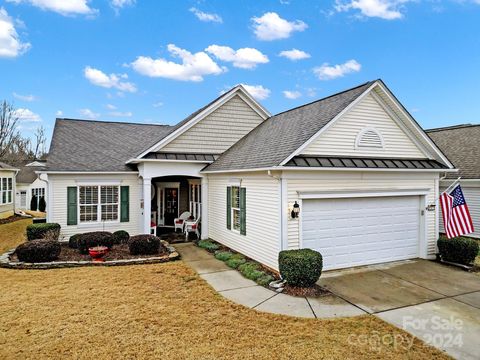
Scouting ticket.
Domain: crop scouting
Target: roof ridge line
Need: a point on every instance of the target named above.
(452, 127)
(111, 121)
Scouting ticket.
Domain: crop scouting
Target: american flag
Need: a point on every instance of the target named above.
(456, 217)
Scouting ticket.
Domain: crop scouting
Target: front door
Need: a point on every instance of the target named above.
(171, 205)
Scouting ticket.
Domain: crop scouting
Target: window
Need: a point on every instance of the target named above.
(38, 192)
(236, 208)
(98, 202)
(6, 190)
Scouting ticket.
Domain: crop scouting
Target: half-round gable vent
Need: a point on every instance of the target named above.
(369, 137)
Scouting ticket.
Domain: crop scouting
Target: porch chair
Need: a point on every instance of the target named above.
(180, 221)
(192, 226)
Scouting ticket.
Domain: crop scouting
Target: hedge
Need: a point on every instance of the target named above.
(460, 250)
(120, 237)
(42, 231)
(144, 244)
(300, 267)
(38, 251)
(92, 239)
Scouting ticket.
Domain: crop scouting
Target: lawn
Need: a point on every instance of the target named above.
(167, 311)
(12, 234)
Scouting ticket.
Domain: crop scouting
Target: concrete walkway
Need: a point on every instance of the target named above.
(232, 285)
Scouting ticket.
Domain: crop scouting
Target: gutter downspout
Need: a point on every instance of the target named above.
(49, 200)
(282, 208)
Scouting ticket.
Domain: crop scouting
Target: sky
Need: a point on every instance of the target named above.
(158, 61)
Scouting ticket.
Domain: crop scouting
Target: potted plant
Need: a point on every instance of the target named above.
(98, 252)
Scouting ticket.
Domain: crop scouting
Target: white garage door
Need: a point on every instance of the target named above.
(360, 231)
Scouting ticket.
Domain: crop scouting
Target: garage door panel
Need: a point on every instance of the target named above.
(358, 231)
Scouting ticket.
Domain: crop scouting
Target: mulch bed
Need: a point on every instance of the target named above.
(118, 252)
(13, 218)
(315, 291)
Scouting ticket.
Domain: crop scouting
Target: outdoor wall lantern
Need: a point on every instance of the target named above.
(295, 210)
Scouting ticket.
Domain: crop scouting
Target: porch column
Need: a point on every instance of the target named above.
(204, 220)
(147, 204)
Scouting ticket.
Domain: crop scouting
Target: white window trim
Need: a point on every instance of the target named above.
(232, 209)
(360, 135)
(99, 206)
(6, 191)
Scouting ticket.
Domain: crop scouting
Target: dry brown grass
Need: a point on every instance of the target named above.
(37, 214)
(13, 234)
(165, 311)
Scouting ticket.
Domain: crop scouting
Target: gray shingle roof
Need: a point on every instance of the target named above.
(461, 145)
(85, 145)
(4, 166)
(279, 136)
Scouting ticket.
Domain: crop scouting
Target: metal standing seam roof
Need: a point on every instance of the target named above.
(182, 156)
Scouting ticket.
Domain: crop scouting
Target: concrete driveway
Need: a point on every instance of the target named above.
(437, 303)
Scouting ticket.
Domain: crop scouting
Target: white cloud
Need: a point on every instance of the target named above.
(59, 113)
(28, 98)
(294, 54)
(118, 4)
(384, 9)
(207, 17)
(99, 78)
(63, 7)
(245, 58)
(292, 94)
(10, 44)
(89, 114)
(121, 114)
(157, 104)
(111, 107)
(192, 68)
(27, 115)
(257, 91)
(327, 72)
(270, 26)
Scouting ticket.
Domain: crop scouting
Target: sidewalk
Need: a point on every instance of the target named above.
(232, 285)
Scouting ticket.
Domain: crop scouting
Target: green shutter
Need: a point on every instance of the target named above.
(72, 205)
(229, 207)
(124, 204)
(243, 211)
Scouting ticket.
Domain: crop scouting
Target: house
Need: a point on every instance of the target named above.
(28, 184)
(461, 144)
(7, 190)
(352, 175)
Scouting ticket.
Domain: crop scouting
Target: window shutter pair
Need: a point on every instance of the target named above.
(243, 210)
(72, 205)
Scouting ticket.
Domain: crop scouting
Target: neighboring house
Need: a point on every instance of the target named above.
(461, 144)
(29, 185)
(7, 190)
(359, 167)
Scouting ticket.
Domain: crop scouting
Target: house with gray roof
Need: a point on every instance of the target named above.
(352, 175)
(28, 185)
(7, 190)
(461, 145)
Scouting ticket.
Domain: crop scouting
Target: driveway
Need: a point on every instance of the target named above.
(437, 303)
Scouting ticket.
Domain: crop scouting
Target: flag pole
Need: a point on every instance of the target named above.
(452, 184)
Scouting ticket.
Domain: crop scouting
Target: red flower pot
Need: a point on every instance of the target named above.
(98, 252)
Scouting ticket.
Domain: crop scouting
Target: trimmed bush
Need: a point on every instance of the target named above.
(34, 203)
(208, 245)
(92, 239)
(460, 250)
(223, 255)
(73, 241)
(42, 205)
(144, 244)
(264, 280)
(251, 270)
(236, 260)
(300, 267)
(38, 251)
(41, 231)
(120, 237)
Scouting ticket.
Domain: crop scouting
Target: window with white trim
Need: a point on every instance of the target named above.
(6, 190)
(98, 203)
(38, 192)
(236, 208)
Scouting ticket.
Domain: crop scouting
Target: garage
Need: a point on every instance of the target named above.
(356, 231)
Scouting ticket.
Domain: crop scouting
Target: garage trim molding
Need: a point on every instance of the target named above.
(422, 193)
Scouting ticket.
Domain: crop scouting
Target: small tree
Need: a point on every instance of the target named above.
(42, 205)
(34, 203)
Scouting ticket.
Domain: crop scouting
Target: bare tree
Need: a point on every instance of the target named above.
(40, 141)
(8, 127)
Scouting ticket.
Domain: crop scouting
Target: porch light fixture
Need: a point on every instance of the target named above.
(295, 210)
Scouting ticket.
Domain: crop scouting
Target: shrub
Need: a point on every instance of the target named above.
(236, 260)
(120, 237)
(251, 270)
(264, 280)
(34, 203)
(300, 267)
(223, 255)
(42, 205)
(41, 231)
(73, 241)
(460, 250)
(95, 238)
(208, 245)
(38, 251)
(144, 244)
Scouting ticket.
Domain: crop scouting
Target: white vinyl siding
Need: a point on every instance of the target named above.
(360, 181)
(218, 131)
(472, 197)
(262, 239)
(340, 138)
(58, 185)
(6, 210)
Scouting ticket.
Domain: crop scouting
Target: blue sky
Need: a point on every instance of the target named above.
(158, 61)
